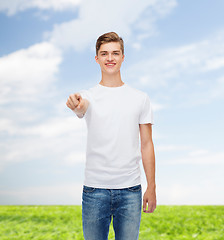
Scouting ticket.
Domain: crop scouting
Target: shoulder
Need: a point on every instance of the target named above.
(87, 93)
(137, 92)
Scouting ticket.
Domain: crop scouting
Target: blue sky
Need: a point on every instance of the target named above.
(174, 51)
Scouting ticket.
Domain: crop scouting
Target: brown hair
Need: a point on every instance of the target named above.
(109, 37)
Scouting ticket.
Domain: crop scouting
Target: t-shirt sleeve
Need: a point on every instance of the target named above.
(146, 115)
(84, 94)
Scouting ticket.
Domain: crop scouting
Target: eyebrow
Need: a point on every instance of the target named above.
(107, 51)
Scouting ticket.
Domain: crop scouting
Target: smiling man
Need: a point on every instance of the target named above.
(115, 114)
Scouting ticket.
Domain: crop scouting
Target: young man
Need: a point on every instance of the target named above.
(115, 114)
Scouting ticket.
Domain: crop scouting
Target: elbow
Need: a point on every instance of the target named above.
(145, 146)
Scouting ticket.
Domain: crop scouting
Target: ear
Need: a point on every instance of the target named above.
(96, 58)
(123, 58)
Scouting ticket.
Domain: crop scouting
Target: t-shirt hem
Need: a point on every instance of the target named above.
(145, 122)
(112, 186)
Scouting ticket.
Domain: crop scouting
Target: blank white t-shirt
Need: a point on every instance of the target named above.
(113, 151)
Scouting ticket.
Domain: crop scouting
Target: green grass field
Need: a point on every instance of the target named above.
(64, 223)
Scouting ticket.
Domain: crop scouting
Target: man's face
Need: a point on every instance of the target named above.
(110, 57)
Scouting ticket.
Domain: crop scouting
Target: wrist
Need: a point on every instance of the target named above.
(78, 112)
(151, 186)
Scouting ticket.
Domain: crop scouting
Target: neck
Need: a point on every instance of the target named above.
(111, 80)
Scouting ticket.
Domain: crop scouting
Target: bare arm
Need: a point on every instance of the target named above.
(148, 160)
(77, 104)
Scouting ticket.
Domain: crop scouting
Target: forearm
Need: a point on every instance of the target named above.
(148, 160)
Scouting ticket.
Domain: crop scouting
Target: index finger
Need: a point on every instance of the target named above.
(78, 96)
(73, 100)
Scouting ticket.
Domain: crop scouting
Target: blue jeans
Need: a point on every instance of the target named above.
(100, 205)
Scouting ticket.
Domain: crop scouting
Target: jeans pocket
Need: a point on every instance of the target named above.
(137, 188)
(88, 189)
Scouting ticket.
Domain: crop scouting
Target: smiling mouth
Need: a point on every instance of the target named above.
(110, 64)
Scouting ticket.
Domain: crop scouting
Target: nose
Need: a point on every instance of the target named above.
(109, 57)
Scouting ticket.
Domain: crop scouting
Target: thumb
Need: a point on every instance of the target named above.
(144, 205)
(81, 103)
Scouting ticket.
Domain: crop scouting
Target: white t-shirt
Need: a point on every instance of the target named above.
(113, 151)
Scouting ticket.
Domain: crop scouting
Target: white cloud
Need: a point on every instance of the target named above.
(192, 73)
(217, 90)
(199, 157)
(201, 193)
(198, 153)
(75, 157)
(189, 155)
(26, 80)
(60, 194)
(25, 77)
(61, 139)
(27, 72)
(50, 128)
(11, 7)
(166, 148)
(55, 127)
(70, 194)
(172, 63)
(112, 16)
(157, 106)
(196, 191)
(137, 46)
